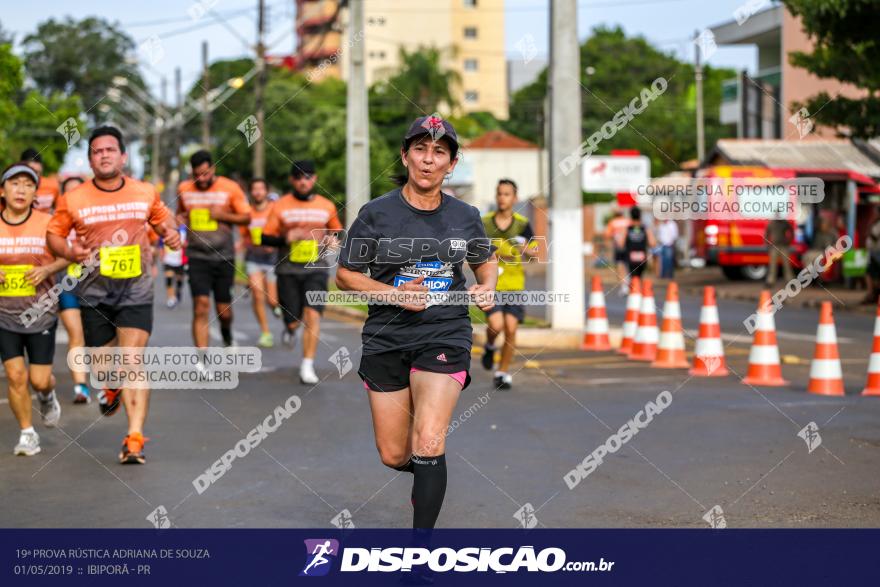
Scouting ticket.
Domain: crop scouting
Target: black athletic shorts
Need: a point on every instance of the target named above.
(207, 277)
(389, 371)
(292, 290)
(515, 310)
(100, 322)
(40, 346)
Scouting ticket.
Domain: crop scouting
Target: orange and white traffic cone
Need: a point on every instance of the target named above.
(670, 350)
(826, 375)
(764, 366)
(709, 351)
(644, 346)
(631, 320)
(873, 385)
(596, 336)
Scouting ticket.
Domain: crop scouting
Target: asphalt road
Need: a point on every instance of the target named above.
(718, 443)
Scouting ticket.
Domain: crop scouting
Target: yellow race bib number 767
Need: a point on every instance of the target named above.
(121, 262)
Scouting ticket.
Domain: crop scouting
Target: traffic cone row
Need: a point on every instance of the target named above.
(641, 340)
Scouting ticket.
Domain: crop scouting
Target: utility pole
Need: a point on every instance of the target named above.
(260, 145)
(178, 114)
(206, 107)
(357, 142)
(156, 166)
(566, 269)
(698, 73)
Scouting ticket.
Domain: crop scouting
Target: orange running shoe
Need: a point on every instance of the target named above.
(132, 452)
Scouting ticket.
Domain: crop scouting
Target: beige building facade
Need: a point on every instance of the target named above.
(469, 34)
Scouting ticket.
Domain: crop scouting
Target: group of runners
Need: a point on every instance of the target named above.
(403, 248)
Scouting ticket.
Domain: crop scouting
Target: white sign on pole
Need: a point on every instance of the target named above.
(608, 174)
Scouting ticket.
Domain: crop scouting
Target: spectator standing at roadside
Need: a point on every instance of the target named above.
(778, 236)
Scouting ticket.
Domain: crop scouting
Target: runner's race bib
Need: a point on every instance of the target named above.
(75, 270)
(437, 275)
(303, 251)
(15, 285)
(121, 262)
(200, 220)
(256, 235)
(637, 256)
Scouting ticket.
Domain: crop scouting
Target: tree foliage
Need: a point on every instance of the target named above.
(621, 68)
(303, 120)
(30, 119)
(79, 57)
(847, 49)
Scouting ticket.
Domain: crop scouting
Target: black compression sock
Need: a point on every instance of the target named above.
(406, 467)
(226, 332)
(429, 489)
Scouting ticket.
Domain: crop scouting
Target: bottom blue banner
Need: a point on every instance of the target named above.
(442, 557)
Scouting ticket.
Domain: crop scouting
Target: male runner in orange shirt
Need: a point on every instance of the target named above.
(210, 205)
(116, 297)
(298, 224)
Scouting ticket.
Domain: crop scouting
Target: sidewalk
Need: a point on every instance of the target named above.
(692, 281)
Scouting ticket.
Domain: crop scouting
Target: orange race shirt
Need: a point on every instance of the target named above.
(315, 214)
(23, 247)
(113, 225)
(210, 240)
(252, 234)
(47, 194)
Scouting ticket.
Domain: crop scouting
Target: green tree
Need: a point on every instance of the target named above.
(620, 68)
(847, 49)
(29, 119)
(420, 86)
(79, 57)
(303, 120)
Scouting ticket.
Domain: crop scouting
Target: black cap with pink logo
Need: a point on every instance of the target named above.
(436, 127)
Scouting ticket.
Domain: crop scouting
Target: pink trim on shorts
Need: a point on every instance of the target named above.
(459, 376)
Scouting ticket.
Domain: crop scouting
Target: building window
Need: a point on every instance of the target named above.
(470, 65)
(471, 96)
(469, 3)
(470, 32)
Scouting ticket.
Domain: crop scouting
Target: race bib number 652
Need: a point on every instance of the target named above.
(14, 284)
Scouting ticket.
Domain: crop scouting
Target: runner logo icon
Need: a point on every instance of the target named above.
(320, 553)
(441, 357)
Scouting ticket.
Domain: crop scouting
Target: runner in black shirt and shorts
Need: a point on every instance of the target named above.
(416, 354)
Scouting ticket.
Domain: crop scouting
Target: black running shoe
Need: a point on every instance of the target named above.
(488, 358)
(108, 401)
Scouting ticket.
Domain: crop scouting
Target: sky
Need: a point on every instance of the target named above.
(181, 25)
(668, 24)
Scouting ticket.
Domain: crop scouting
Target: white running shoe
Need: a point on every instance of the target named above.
(50, 409)
(307, 375)
(28, 444)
